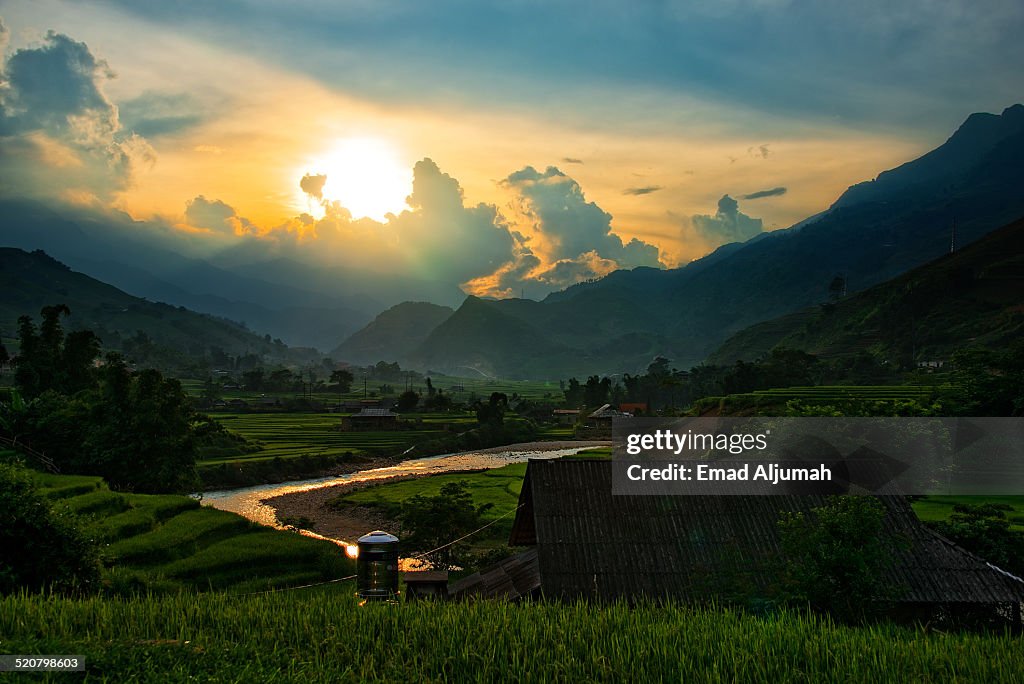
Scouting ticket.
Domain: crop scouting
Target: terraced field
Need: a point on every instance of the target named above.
(290, 435)
(168, 542)
(826, 393)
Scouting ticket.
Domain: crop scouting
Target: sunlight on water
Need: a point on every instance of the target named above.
(248, 502)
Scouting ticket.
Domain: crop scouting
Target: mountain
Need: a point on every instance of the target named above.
(872, 233)
(300, 303)
(30, 281)
(393, 334)
(974, 296)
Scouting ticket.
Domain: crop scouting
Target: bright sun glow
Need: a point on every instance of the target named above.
(366, 177)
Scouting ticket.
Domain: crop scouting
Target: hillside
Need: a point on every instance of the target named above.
(621, 322)
(974, 296)
(30, 281)
(393, 334)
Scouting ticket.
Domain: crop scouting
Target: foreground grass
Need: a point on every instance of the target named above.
(169, 543)
(301, 637)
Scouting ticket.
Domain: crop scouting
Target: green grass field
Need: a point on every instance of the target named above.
(170, 543)
(934, 508)
(304, 636)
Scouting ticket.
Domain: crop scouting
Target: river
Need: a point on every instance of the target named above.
(249, 501)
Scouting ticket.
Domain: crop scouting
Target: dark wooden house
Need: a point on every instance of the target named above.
(591, 544)
(371, 419)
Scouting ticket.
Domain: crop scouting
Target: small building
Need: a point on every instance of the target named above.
(371, 419)
(599, 423)
(633, 408)
(566, 416)
(514, 578)
(590, 544)
(426, 584)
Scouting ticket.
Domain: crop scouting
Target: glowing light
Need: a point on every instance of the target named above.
(352, 551)
(366, 177)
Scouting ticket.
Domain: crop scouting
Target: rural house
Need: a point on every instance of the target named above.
(371, 419)
(586, 543)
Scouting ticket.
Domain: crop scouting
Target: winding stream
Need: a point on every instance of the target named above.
(248, 501)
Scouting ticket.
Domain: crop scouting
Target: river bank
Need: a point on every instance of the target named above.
(268, 504)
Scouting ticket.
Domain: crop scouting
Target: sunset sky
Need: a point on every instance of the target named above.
(549, 141)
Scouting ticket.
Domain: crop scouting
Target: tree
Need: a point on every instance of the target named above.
(984, 529)
(430, 522)
(836, 555)
(408, 400)
(43, 548)
(47, 360)
(493, 412)
(342, 379)
(140, 435)
(253, 379)
(574, 394)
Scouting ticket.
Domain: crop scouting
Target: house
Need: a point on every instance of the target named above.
(590, 544)
(371, 419)
(599, 423)
(566, 416)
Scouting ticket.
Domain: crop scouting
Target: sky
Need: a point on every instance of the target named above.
(507, 148)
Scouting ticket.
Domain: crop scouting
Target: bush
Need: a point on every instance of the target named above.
(43, 548)
(837, 555)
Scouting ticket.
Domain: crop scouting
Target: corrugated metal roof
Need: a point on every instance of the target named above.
(591, 543)
(375, 413)
(514, 577)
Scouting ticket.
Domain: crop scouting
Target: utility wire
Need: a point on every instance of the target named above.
(417, 557)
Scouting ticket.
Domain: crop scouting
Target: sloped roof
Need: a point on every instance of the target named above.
(590, 543)
(375, 413)
(514, 577)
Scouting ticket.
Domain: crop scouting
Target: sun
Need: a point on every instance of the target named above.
(365, 176)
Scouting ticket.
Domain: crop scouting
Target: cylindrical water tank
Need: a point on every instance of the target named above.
(377, 566)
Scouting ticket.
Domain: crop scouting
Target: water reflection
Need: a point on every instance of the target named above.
(248, 502)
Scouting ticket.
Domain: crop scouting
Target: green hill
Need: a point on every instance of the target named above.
(32, 280)
(393, 334)
(974, 296)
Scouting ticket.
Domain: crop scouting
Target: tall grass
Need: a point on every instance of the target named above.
(314, 637)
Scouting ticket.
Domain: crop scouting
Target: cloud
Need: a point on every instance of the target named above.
(761, 151)
(154, 114)
(728, 224)
(646, 190)
(564, 225)
(774, 192)
(58, 127)
(571, 160)
(218, 217)
(313, 185)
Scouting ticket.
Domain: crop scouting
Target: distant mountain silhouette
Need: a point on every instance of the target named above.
(874, 232)
(971, 297)
(30, 281)
(393, 334)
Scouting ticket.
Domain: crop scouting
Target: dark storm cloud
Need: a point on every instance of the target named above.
(646, 190)
(774, 192)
